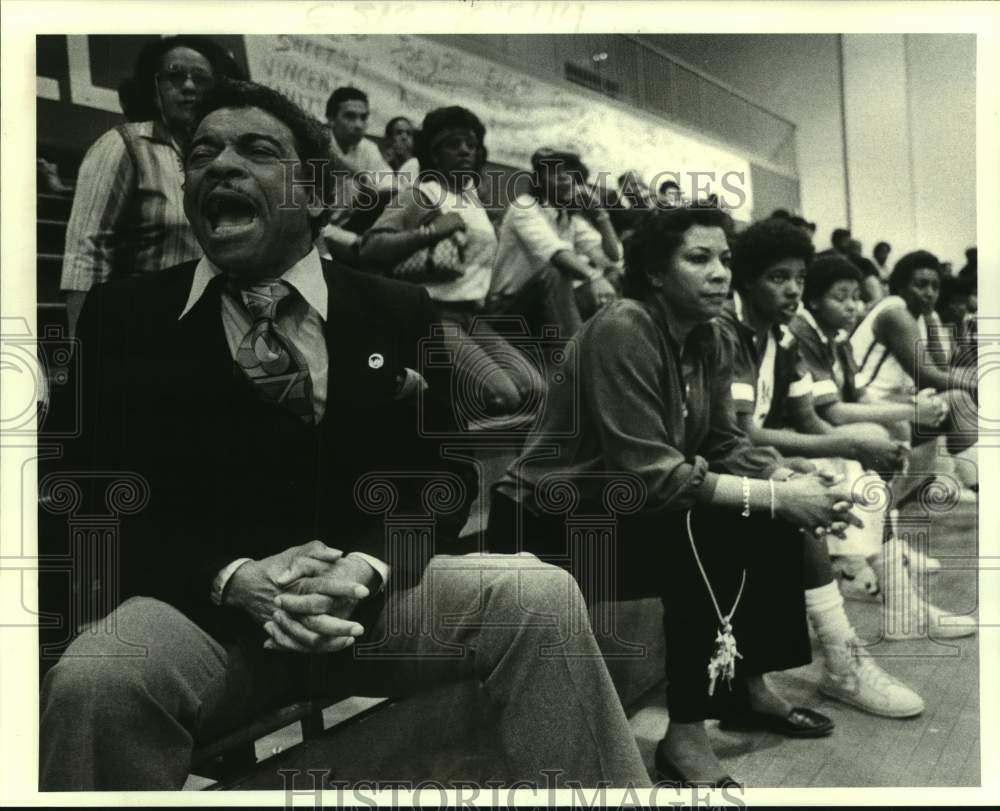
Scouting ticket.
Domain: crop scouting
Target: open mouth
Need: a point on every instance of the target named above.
(229, 213)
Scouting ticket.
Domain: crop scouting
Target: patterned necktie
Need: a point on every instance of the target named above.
(277, 370)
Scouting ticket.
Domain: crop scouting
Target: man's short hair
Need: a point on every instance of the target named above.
(658, 239)
(667, 185)
(763, 244)
(780, 214)
(910, 264)
(839, 234)
(825, 272)
(339, 96)
(312, 139)
(882, 245)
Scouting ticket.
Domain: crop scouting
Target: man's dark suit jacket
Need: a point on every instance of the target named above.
(232, 475)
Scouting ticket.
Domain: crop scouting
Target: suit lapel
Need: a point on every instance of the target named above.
(204, 352)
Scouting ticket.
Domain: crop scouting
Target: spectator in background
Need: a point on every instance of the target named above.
(451, 147)
(872, 288)
(839, 241)
(546, 243)
(347, 117)
(780, 214)
(630, 205)
(971, 268)
(854, 247)
(399, 154)
(364, 178)
(880, 253)
(128, 215)
(634, 191)
(669, 195)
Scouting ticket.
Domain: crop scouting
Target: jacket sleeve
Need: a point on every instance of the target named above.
(621, 374)
(727, 448)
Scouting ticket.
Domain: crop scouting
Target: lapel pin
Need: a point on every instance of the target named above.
(375, 361)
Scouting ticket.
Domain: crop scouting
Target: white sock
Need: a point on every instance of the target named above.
(825, 609)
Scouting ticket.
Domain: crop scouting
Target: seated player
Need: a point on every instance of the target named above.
(772, 395)
(831, 301)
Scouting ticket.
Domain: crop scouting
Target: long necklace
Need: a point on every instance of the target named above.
(723, 661)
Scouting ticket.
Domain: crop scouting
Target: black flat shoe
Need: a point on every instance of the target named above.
(801, 722)
(668, 774)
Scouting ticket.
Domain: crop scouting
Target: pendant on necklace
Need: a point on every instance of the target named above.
(723, 662)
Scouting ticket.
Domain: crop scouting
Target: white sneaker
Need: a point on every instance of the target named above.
(921, 620)
(863, 684)
(919, 562)
(905, 613)
(857, 580)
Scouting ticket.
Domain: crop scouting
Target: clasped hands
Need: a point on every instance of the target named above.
(303, 597)
(813, 499)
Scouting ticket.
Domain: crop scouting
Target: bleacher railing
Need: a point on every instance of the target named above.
(636, 72)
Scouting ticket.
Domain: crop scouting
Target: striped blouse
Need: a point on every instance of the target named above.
(128, 212)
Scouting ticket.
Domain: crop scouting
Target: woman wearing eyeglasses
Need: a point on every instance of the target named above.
(127, 214)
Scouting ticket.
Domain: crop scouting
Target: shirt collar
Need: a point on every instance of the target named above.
(701, 334)
(808, 317)
(779, 331)
(305, 276)
(159, 132)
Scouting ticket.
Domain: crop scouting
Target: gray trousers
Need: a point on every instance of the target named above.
(115, 720)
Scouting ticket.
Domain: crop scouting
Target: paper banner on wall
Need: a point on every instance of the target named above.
(408, 75)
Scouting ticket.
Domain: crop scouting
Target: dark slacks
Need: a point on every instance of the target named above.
(651, 556)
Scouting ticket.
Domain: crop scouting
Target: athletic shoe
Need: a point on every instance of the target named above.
(866, 686)
(905, 613)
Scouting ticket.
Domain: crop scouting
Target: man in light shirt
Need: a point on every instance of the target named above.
(365, 179)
